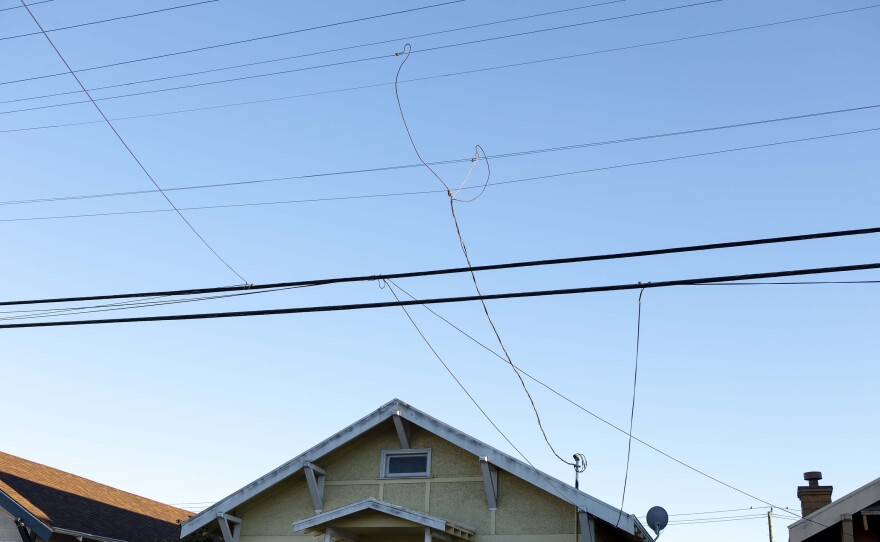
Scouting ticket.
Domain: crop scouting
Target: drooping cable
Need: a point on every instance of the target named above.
(406, 52)
(127, 148)
(632, 412)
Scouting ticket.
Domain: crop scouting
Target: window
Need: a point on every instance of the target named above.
(405, 464)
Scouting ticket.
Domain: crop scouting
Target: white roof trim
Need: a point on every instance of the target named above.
(590, 504)
(828, 515)
(379, 506)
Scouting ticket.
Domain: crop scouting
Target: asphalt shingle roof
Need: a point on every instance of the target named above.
(65, 501)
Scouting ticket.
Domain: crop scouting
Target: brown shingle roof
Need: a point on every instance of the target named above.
(65, 501)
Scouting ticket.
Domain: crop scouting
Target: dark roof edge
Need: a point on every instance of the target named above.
(19, 512)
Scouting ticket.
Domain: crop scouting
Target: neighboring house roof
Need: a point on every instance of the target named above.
(584, 502)
(829, 515)
(51, 501)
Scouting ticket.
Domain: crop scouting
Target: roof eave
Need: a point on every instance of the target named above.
(828, 515)
(583, 501)
(17, 511)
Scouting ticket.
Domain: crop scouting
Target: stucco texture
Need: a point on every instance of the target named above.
(456, 492)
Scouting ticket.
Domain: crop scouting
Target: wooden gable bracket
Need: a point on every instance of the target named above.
(315, 480)
(26, 534)
(431, 534)
(587, 525)
(490, 482)
(403, 430)
(230, 526)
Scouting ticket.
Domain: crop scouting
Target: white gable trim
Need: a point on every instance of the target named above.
(584, 502)
(830, 514)
(370, 504)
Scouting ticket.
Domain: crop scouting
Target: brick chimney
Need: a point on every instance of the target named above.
(813, 496)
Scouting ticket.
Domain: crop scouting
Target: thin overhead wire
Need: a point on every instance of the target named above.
(322, 52)
(458, 270)
(238, 42)
(111, 19)
(29, 3)
(632, 412)
(438, 76)
(127, 148)
(552, 176)
(348, 62)
(588, 411)
(514, 154)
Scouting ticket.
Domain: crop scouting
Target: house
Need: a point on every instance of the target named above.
(855, 517)
(39, 503)
(401, 475)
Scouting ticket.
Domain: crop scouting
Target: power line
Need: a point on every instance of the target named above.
(325, 51)
(513, 154)
(632, 412)
(596, 416)
(551, 176)
(171, 8)
(460, 299)
(127, 148)
(458, 270)
(439, 76)
(237, 42)
(29, 3)
(353, 61)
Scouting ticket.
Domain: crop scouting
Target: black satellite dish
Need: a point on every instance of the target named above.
(657, 519)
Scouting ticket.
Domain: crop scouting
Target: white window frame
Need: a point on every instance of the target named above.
(383, 467)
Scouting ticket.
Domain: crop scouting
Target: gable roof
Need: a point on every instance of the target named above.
(587, 503)
(53, 501)
(830, 514)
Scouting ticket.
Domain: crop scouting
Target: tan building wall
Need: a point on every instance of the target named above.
(454, 492)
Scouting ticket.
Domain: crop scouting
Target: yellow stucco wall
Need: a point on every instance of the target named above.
(454, 492)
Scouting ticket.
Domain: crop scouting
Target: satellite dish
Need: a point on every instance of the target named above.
(657, 519)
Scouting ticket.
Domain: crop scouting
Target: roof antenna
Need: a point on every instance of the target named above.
(580, 465)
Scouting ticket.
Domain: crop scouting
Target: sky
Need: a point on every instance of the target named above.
(753, 385)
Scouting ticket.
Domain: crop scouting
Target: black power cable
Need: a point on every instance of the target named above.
(460, 299)
(457, 270)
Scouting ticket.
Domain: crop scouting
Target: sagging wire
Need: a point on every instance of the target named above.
(407, 49)
(632, 411)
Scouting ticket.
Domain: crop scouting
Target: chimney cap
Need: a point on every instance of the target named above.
(813, 477)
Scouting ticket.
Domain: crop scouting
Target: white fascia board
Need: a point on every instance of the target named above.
(551, 485)
(370, 504)
(828, 515)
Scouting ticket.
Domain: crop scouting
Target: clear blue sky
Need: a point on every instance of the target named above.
(754, 385)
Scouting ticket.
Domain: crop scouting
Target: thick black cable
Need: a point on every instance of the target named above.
(237, 42)
(127, 148)
(325, 51)
(111, 19)
(452, 161)
(440, 76)
(458, 270)
(460, 299)
(632, 412)
(346, 62)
